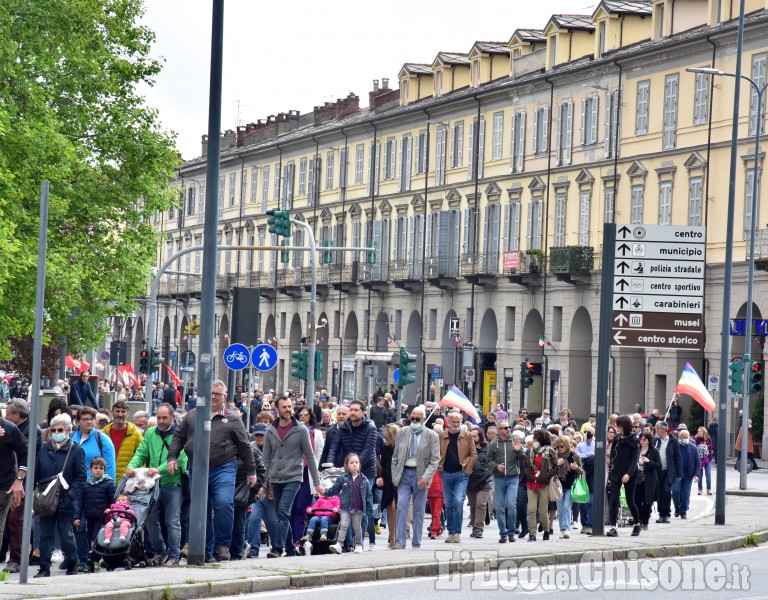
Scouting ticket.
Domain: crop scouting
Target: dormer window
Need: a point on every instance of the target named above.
(439, 84)
(660, 22)
(516, 53)
(552, 51)
(475, 73)
(601, 38)
(404, 92)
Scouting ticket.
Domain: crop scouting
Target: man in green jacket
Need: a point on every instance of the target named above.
(504, 453)
(153, 453)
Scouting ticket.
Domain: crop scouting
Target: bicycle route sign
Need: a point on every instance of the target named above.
(237, 356)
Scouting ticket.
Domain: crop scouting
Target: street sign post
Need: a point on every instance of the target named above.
(264, 357)
(237, 356)
(657, 287)
(396, 374)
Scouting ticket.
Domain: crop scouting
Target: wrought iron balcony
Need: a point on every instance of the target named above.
(481, 263)
(439, 266)
(761, 245)
(571, 259)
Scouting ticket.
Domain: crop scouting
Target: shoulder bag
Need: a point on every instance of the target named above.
(45, 501)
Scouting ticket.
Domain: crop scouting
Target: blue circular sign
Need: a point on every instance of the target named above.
(105, 355)
(264, 357)
(396, 374)
(237, 356)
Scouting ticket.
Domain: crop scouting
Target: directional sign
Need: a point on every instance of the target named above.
(237, 356)
(658, 286)
(396, 375)
(264, 357)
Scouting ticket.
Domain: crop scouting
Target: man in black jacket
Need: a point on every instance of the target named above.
(82, 392)
(13, 469)
(380, 413)
(229, 441)
(671, 469)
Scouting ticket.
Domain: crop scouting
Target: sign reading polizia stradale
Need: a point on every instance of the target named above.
(658, 287)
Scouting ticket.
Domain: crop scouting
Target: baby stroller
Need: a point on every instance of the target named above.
(327, 478)
(130, 553)
(625, 516)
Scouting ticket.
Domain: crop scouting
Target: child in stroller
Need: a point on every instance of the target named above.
(120, 514)
(312, 541)
(322, 513)
(116, 547)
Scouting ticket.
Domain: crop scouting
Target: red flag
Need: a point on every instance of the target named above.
(75, 363)
(128, 375)
(173, 375)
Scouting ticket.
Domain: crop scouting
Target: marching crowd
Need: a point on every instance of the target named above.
(265, 484)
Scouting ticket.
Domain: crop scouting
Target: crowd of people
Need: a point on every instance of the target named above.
(264, 484)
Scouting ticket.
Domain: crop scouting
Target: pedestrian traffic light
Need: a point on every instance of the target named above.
(279, 222)
(737, 375)
(299, 364)
(285, 256)
(318, 365)
(407, 368)
(156, 359)
(755, 377)
(530, 371)
(144, 362)
(327, 254)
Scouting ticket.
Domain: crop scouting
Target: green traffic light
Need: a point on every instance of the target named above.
(407, 369)
(299, 364)
(318, 365)
(737, 375)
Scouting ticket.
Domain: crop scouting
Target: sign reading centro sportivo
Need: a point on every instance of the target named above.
(658, 287)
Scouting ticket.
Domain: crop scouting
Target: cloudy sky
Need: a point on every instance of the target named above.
(280, 57)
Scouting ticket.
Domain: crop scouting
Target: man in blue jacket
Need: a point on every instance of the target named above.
(669, 450)
(81, 392)
(689, 473)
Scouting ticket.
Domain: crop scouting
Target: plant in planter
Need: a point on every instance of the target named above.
(535, 259)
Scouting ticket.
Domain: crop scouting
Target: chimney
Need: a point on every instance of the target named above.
(384, 84)
(375, 85)
(228, 139)
(204, 151)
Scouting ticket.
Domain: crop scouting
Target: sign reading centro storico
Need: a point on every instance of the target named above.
(658, 287)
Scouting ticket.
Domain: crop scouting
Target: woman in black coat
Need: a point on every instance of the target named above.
(388, 489)
(50, 462)
(623, 470)
(648, 469)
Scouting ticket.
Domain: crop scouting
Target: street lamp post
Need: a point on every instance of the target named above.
(759, 90)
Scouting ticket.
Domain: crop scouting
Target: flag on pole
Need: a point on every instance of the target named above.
(77, 364)
(173, 376)
(128, 375)
(455, 399)
(543, 341)
(458, 340)
(691, 385)
(392, 339)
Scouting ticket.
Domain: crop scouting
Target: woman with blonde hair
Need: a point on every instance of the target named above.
(388, 489)
(704, 446)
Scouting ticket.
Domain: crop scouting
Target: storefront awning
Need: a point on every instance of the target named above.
(385, 357)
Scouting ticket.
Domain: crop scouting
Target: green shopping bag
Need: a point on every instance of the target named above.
(580, 491)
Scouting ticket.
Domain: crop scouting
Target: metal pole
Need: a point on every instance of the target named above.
(603, 366)
(750, 290)
(199, 484)
(251, 389)
(37, 348)
(722, 448)
(309, 391)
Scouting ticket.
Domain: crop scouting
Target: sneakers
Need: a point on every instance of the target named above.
(371, 547)
(56, 557)
(223, 553)
(335, 548)
(612, 532)
(210, 560)
(378, 529)
(586, 530)
(274, 553)
(636, 530)
(531, 537)
(662, 520)
(307, 536)
(122, 539)
(185, 551)
(522, 534)
(12, 567)
(358, 549)
(503, 539)
(565, 535)
(171, 561)
(397, 547)
(323, 536)
(246, 549)
(453, 538)
(546, 535)
(42, 573)
(511, 537)
(107, 541)
(157, 561)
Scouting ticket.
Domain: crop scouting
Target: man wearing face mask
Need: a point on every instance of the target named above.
(414, 464)
(153, 453)
(690, 473)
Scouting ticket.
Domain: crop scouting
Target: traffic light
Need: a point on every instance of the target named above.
(285, 256)
(299, 364)
(156, 359)
(371, 258)
(407, 368)
(737, 375)
(144, 362)
(530, 371)
(327, 254)
(318, 365)
(755, 377)
(279, 222)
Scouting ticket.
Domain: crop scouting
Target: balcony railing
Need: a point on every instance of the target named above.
(571, 259)
(482, 263)
(438, 266)
(761, 244)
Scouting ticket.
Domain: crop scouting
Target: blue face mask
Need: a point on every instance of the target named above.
(417, 427)
(58, 437)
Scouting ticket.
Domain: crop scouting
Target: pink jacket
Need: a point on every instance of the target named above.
(121, 506)
(324, 507)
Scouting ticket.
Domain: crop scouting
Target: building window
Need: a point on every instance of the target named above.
(701, 99)
(552, 42)
(221, 196)
(517, 143)
(262, 239)
(636, 212)
(329, 170)
(254, 185)
(665, 203)
(609, 205)
(601, 39)
(748, 185)
(201, 203)
(343, 167)
(232, 187)
(276, 183)
(564, 133)
(390, 151)
(475, 73)
(264, 188)
(643, 94)
(584, 207)
(302, 176)
(198, 257)
(560, 220)
(404, 181)
(404, 91)
(498, 133)
(359, 156)
(540, 129)
(373, 168)
(670, 112)
(758, 76)
(440, 166)
(660, 22)
(289, 175)
(456, 155)
(513, 226)
(438, 84)
(534, 224)
(311, 186)
(611, 143)
(249, 253)
(420, 153)
(589, 108)
(191, 200)
(480, 149)
(695, 201)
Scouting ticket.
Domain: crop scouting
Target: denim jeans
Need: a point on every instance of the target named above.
(84, 536)
(706, 471)
(522, 507)
(324, 523)
(406, 490)
(454, 492)
(221, 490)
(239, 524)
(167, 508)
(61, 522)
(284, 494)
(585, 511)
(565, 511)
(505, 493)
(681, 492)
(261, 509)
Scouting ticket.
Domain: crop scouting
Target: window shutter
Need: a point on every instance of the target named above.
(521, 142)
(396, 247)
(370, 171)
(512, 161)
(506, 226)
(376, 163)
(417, 165)
(583, 131)
(460, 144)
(608, 126)
(569, 133)
(496, 230)
(471, 152)
(407, 162)
(456, 215)
(411, 246)
(545, 130)
(593, 123)
(428, 239)
(529, 231)
(675, 83)
(535, 131)
(451, 151)
(399, 175)
(481, 149)
(559, 136)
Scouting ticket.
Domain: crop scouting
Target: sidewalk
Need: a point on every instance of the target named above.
(745, 516)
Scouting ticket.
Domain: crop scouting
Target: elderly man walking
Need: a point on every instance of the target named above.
(457, 459)
(504, 456)
(414, 463)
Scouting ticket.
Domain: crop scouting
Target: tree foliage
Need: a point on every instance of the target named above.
(70, 113)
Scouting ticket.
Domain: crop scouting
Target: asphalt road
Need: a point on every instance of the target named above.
(730, 576)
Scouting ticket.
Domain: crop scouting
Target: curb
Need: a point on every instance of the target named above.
(210, 589)
(748, 492)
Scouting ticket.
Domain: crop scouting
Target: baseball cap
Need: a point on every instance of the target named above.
(260, 429)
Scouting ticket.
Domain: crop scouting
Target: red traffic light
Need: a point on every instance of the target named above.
(144, 354)
(756, 367)
(529, 366)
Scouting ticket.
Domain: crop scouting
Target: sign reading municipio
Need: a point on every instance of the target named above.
(658, 286)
